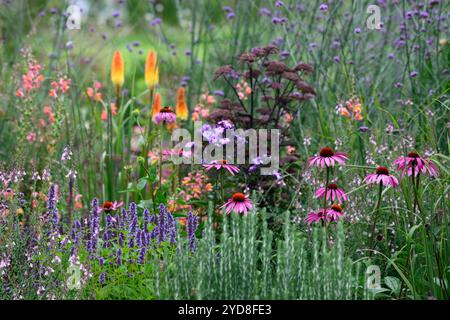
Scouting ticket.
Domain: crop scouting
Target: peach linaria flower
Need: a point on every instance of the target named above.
(104, 115)
(117, 69)
(156, 108)
(151, 70)
(382, 176)
(327, 158)
(48, 111)
(78, 204)
(238, 203)
(181, 108)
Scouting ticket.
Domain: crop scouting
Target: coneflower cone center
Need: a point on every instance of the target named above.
(382, 170)
(238, 197)
(413, 155)
(326, 152)
(332, 186)
(167, 110)
(107, 206)
(336, 207)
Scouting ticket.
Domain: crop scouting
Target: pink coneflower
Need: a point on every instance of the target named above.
(314, 216)
(222, 164)
(165, 115)
(327, 158)
(238, 203)
(109, 206)
(334, 213)
(333, 192)
(382, 175)
(414, 160)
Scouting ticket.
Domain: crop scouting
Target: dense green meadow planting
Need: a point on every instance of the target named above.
(123, 124)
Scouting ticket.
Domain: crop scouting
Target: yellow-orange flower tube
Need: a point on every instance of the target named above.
(181, 108)
(151, 70)
(117, 69)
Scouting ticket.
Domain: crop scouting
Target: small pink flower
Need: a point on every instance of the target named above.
(327, 158)
(238, 203)
(333, 192)
(420, 165)
(381, 176)
(31, 137)
(222, 164)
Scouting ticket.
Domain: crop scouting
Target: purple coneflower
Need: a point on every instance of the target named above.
(166, 115)
(334, 213)
(333, 192)
(222, 164)
(314, 216)
(382, 175)
(413, 161)
(327, 158)
(238, 203)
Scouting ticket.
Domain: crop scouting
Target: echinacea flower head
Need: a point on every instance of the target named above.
(327, 158)
(315, 216)
(109, 206)
(413, 161)
(156, 108)
(238, 203)
(181, 108)
(117, 69)
(151, 70)
(334, 213)
(333, 192)
(166, 116)
(221, 164)
(382, 176)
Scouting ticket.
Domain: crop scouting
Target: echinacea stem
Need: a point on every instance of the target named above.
(377, 208)
(324, 221)
(160, 155)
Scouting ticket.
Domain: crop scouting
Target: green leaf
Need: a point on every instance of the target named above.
(393, 283)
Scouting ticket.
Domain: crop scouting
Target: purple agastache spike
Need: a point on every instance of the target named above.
(161, 223)
(55, 220)
(121, 239)
(123, 218)
(191, 227)
(143, 239)
(138, 238)
(172, 230)
(119, 257)
(51, 202)
(152, 218)
(101, 278)
(146, 219)
(133, 219)
(142, 253)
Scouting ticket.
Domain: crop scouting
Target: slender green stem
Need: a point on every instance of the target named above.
(324, 221)
(377, 209)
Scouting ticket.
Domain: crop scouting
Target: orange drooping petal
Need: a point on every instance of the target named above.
(151, 70)
(181, 108)
(156, 106)
(117, 69)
